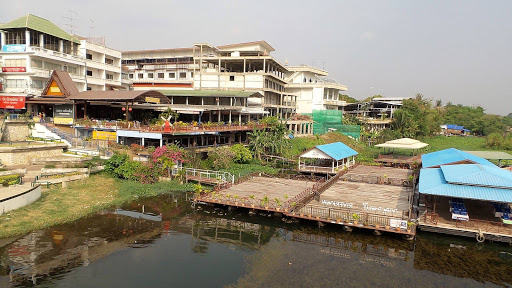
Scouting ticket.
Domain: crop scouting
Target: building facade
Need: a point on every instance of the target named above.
(32, 47)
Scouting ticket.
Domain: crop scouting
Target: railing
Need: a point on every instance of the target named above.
(322, 169)
(378, 180)
(175, 128)
(350, 216)
(484, 226)
(247, 202)
(64, 135)
(431, 218)
(220, 176)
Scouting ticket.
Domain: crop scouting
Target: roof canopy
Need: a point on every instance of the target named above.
(210, 93)
(451, 156)
(335, 151)
(124, 96)
(404, 143)
(39, 24)
(469, 181)
(493, 155)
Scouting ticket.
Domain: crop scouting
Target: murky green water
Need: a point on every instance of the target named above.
(173, 245)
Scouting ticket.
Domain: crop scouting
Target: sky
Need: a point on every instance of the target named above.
(455, 51)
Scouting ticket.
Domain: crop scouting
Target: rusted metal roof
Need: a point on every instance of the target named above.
(65, 83)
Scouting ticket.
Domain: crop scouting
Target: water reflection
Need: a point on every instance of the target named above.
(165, 241)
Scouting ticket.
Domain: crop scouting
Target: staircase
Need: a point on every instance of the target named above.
(61, 135)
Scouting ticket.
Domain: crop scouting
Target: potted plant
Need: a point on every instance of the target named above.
(278, 203)
(236, 199)
(409, 226)
(355, 217)
(252, 200)
(264, 202)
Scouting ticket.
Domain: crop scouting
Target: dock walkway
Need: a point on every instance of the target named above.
(382, 207)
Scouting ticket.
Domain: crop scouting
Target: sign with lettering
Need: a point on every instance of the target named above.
(338, 204)
(62, 121)
(153, 100)
(104, 135)
(13, 48)
(13, 69)
(398, 223)
(12, 102)
(63, 111)
(379, 209)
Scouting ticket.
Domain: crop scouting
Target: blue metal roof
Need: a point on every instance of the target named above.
(455, 127)
(432, 182)
(475, 174)
(337, 151)
(449, 156)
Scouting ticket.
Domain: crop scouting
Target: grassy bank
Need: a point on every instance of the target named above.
(78, 200)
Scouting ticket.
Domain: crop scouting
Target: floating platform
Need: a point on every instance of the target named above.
(381, 207)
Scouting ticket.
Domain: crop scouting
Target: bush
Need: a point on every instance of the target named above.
(221, 157)
(115, 162)
(241, 153)
(49, 166)
(9, 180)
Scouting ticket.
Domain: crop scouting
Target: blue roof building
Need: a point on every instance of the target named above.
(327, 158)
(451, 156)
(467, 181)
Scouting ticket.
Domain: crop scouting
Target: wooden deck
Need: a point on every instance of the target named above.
(362, 197)
(379, 171)
(481, 220)
(378, 207)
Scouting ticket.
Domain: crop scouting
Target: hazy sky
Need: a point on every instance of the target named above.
(458, 51)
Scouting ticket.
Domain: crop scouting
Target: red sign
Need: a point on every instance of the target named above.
(14, 69)
(12, 102)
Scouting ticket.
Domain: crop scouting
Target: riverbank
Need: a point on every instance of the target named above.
(80, 199)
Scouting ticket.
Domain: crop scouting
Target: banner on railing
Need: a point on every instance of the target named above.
(62, 121)
(398, 223)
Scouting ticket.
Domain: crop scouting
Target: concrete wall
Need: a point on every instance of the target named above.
(24, 198)
(17, 155)
(15, 131)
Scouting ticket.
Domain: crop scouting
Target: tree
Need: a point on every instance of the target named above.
(270, 140)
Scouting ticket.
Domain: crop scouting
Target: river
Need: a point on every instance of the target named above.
(165, 242)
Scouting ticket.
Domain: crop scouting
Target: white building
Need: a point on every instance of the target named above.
(32, 47)
(314, 90)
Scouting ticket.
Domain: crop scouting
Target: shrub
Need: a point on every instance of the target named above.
(241, 153)
(9, 180)
(49, 166)
(115, 162)
(221, 157)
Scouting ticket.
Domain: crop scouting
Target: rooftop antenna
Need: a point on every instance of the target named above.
(91, 27)
(71, 18)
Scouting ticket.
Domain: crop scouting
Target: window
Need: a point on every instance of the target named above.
(191, 74)
(110, 76)
(34, 38)
(38, 84)
(89, 73)
(109, 61)
(161, 75)
(183, 75)
(150, 75)
(88, 56)
(16, 62)
(130, 76)
(140, 76)
(89, 88)
(15, 37)
(36, 63)
(66, 47)
(16, 83)
(72, 70)
(51, 42)
(172, 75)
(51, 66)
(231, 78)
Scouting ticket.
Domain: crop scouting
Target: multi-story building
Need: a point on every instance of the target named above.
(247, 67)
(32, 47)
(314, 90)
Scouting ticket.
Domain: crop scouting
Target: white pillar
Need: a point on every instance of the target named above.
(2, 35)
(161, 142)
(61, 46)
(27, 40)
(142, 141)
